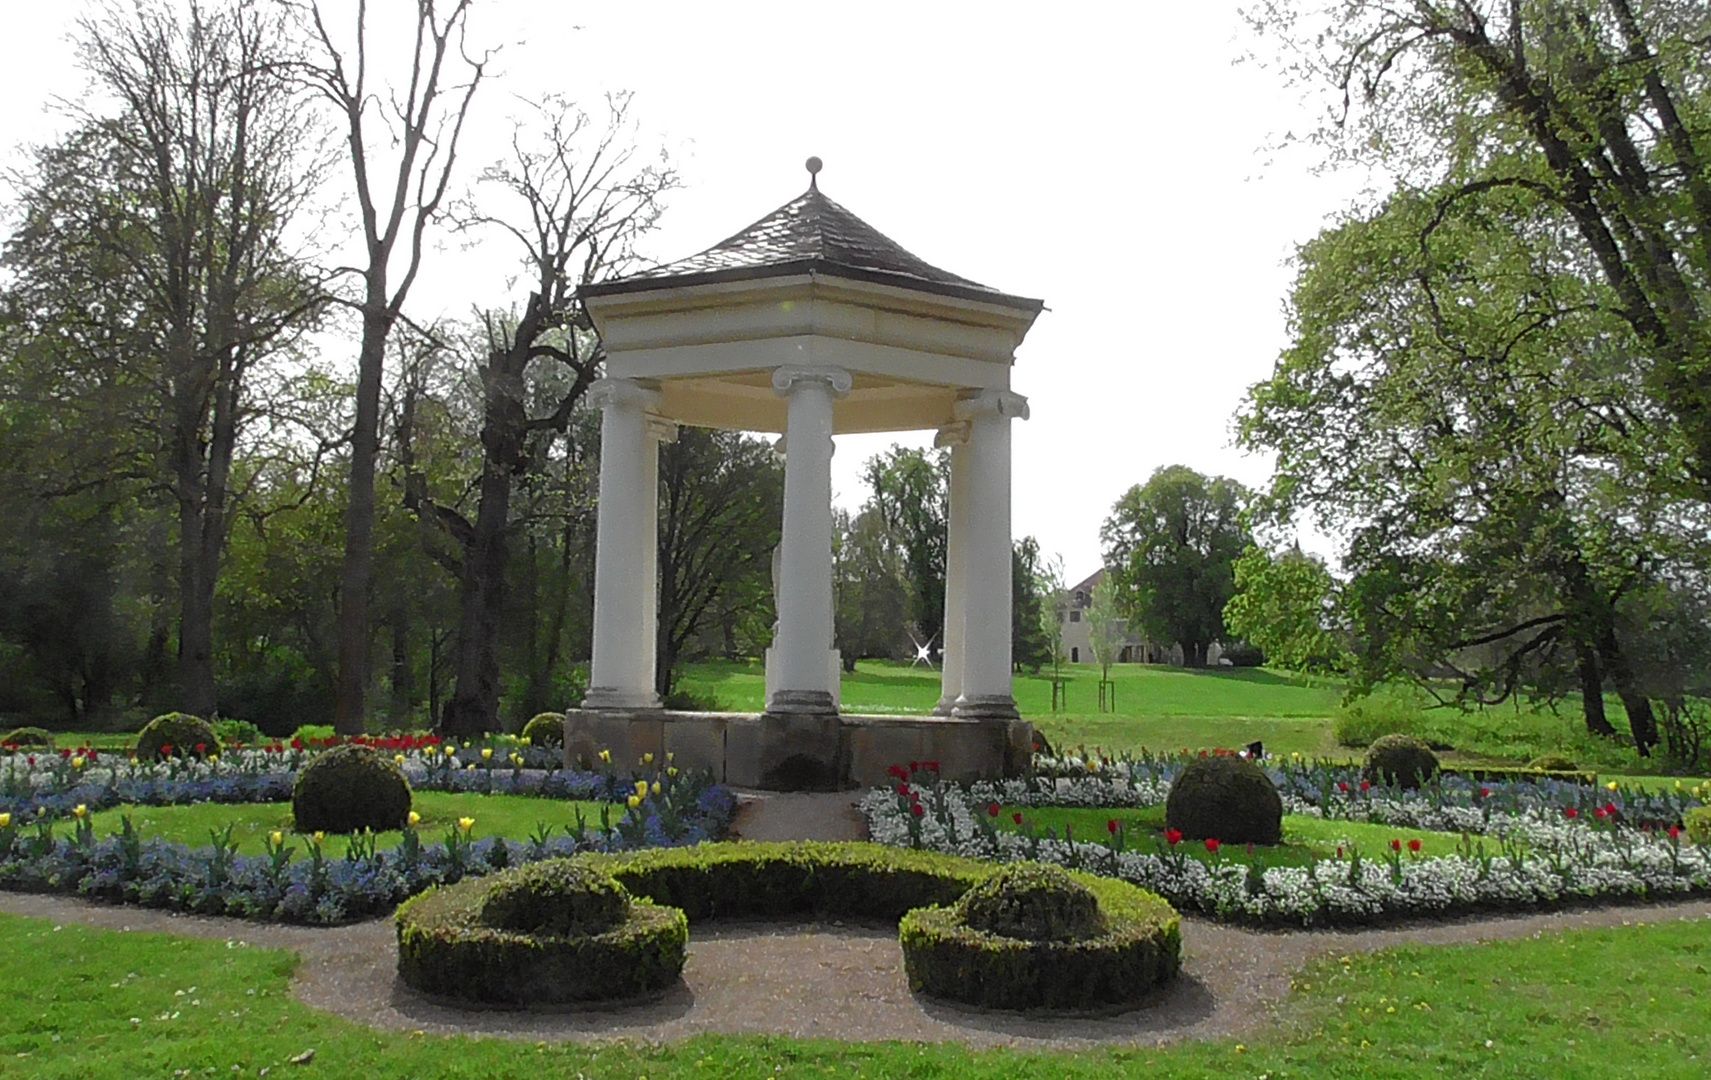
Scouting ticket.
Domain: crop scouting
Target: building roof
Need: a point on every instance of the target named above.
(1088, 585)
(810, 234)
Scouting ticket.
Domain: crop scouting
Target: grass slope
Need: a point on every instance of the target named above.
(1628, 1002)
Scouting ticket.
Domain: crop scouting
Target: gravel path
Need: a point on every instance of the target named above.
(829, 980)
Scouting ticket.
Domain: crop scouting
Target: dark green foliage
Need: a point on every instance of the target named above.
(943, 957)
(1226, 798)
(445, 948)
(1401, 760)
(556, 898)
(545, 729)
(1032, 901)
(1698, 822)
(33, 737)
(233, 732)
(180, 733)
(350, 788)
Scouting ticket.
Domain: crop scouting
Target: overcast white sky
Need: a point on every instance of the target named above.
(1105, 157)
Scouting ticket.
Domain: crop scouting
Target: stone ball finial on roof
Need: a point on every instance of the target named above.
(814, 167)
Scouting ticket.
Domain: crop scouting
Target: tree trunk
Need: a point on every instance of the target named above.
(474, 705)
(1592, 692)
(359, 518)
(403, 677)
(1639, 707)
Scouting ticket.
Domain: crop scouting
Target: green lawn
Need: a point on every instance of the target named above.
(1627, 1002)
(514, 817)
(1305, 839)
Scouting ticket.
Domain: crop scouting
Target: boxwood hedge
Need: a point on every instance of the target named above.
(445, 949)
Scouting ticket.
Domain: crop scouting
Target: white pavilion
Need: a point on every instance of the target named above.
(808, 323)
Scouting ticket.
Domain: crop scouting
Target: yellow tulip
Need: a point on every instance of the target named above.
(77, 762)
(642, 788)
(414, 819)
(606, 755)
(80, 811)
(669, 758)
(633, 801)
(5, 821)
(647, 759)
(1611, 785)
(449, 749)
(524, 741)
(399, 758)
(320, 837)
(466, 823)
(470, 767)
(487, 753)
(672, 771)
(276, 838)
(656, 787)
(516, 759)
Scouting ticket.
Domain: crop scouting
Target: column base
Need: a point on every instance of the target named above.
(801, 703)
(945, 706)
(986, 707)
(612, 697)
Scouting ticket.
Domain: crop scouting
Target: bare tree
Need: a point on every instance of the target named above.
(424, 122)
(171, 222)
(1106, 632)
(577, 197)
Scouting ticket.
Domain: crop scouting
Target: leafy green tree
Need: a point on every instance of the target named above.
(1596, 111)
(1107, 629)
(1286, 607)
(1036, 637)
(910, 490)
(870, 588)
(158, 236)
(1171, 545)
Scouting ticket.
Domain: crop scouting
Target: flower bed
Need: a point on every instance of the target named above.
(1538, 848)
(51, 784)
(125, 867)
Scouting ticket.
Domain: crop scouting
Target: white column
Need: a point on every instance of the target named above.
(620, 676)
(986, 688)
(659, 430)
(803, 649)
(955, 436)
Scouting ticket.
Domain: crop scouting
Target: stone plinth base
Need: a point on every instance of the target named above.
(791, 752)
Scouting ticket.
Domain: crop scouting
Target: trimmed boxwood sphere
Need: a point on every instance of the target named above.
(32, 737)
(350, 788)
(558, 898)
(181, 733)
(1225, 798)
(1402, 760)
(545, 729)
(1032, 901)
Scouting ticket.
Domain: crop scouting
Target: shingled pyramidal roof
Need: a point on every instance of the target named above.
(810, 234)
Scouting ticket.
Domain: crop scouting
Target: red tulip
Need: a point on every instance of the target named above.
(1610, 809)
(1173, 836)
(1365, 785)
(930, 766)
(1396, 845)
(1016, 817)
(1111, 826)
(1600, 813)
(915, 808)
(201, 748)
(1339, 851)
(166, 750)
(1414, 845)
(993, 808)
(1675, 832)
(914, 766)
(1485, 793)
(1342, 785)
(1571, 813)
(1212, 845)
(902, 789)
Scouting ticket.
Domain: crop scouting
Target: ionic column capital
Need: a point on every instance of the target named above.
(786, 379)
(660, 429)
(954, 433)
(603, 392)
(1003, 403)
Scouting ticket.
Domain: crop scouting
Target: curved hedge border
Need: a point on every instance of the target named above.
(749, 880)
(447, 951)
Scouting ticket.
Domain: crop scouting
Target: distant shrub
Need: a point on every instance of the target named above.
(177, 735)
(1400, 760)
(1243, 654)
(232, 732)
(314, 732)
(545, 729)
(1698, 822)
(32, 737)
